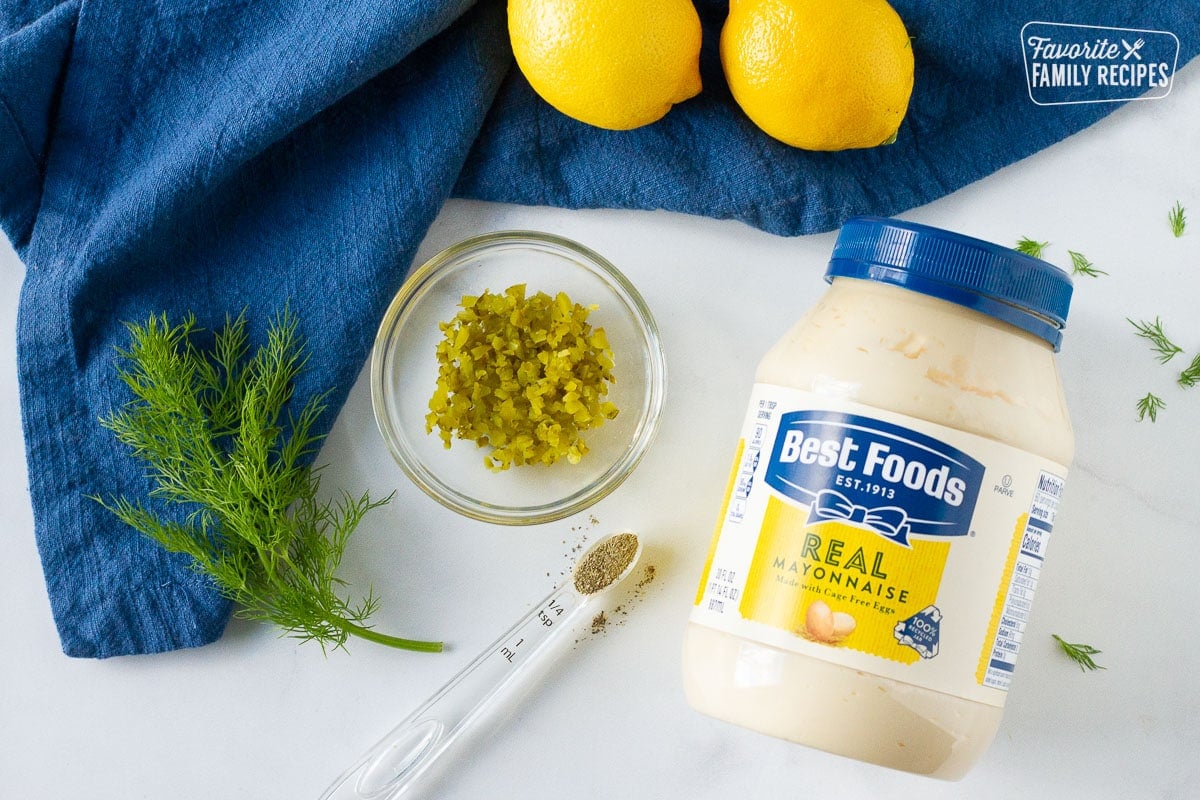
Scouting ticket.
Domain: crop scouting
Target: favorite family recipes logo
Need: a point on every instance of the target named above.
(1067, 64)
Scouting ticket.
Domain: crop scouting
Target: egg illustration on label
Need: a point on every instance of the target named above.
(823, 624)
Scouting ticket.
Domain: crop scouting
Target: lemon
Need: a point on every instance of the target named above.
(616, 64)
(819, 74)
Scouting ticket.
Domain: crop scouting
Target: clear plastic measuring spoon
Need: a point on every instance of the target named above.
(389, 768)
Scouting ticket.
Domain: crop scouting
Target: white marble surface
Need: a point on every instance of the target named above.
(257, 716)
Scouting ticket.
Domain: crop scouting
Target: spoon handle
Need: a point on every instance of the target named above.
(389, 768)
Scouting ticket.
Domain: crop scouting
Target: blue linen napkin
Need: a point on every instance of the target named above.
(208, 155)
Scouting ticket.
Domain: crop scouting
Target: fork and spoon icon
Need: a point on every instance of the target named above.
(1132, 49)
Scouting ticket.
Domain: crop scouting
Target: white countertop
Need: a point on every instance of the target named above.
(258, 716)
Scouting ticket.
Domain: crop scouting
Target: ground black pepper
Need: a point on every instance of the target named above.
(605, 563)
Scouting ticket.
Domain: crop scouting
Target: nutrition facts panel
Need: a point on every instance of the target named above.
(1023, 581)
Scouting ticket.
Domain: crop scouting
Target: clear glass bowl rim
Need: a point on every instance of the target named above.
(587, 495)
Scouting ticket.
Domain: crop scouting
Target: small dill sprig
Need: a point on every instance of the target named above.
(1190, 376)
(216, 433)
(1081, 266)
(1153, 333)
(1081, 654)
(1031, 247)
(1149, 406)
(1177, 219)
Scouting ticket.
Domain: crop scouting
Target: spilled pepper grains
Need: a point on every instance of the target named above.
(523, 375)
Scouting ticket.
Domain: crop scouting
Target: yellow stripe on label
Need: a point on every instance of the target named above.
(985, 655)
(712, 547)
(837, 584)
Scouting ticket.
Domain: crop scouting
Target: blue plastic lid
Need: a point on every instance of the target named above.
(1021, 290)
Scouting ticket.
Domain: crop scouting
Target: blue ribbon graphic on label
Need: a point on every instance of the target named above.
(891, 521)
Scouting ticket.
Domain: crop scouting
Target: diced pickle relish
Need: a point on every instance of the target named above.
(522, 375)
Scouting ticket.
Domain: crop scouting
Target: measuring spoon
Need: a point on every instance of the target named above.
(389, 768)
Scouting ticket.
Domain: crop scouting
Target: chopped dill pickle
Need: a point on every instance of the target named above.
(525, 376)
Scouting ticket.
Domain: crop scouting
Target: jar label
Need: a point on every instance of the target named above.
(880, 542)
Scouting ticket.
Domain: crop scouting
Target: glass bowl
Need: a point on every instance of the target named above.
(404, 373)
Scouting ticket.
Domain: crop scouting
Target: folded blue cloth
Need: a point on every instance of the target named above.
(210, 155)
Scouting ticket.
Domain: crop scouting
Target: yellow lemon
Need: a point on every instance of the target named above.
(819, 74)
(616, 64)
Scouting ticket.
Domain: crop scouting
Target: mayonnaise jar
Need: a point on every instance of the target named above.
(892, 494)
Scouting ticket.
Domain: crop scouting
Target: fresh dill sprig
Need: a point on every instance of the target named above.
(217, 436)
(1177, 219)
(1031, 247)
(1081, 266)
(1191, 374)
(1149, 406)
(1153, 333)
(1081, 654)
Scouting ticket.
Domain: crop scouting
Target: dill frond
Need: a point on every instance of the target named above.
(1081, 654)
(1153, 333)
(1149, 406)
(1081, 266)
(216, 434)
(1190, 375)
(1031, 247)
(1177, 219)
